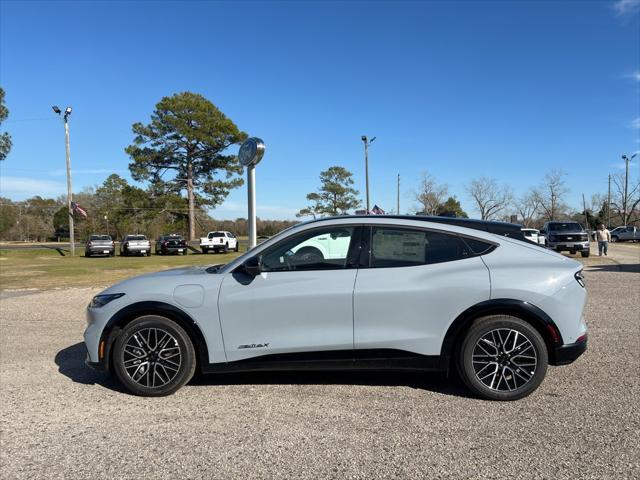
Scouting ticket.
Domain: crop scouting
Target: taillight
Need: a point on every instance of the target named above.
(579, 276)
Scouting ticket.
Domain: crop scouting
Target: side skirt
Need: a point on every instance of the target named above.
(372, 360)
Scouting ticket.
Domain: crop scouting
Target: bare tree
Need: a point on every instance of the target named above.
(624, 205)
(551, 195)
(430, 194)
(527, 207)
(490, 197)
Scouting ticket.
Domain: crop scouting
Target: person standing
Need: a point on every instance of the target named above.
(603, 236)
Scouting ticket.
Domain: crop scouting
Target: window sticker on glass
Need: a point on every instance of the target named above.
(401, 245)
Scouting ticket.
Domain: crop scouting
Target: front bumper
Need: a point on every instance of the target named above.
(567, 354)
(569, 246)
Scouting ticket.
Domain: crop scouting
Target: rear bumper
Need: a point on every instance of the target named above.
(567, 354)
(100, 249)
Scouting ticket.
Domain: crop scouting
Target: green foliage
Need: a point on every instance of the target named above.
(5, 138)
(335, 196)
(452, 207)
(190, 136)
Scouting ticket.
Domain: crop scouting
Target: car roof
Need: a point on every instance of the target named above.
(504, 229)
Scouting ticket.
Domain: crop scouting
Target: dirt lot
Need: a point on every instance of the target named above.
(60, 420)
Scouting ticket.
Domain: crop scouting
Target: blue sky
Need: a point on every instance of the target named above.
(460, 89)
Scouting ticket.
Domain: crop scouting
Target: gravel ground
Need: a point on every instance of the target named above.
(60, 420)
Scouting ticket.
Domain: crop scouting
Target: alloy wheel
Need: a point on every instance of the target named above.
(152, 357)
(504, 360)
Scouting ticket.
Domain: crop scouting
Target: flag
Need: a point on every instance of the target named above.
(376, 210)
(77, 208)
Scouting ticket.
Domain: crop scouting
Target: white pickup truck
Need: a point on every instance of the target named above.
(219, 241)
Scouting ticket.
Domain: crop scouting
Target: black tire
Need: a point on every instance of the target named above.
(237, 249)
(205, 250)
(585, 254)
(87, 254)
(171, 377)
(185, 251)
(516, 366)
(123, 253)
(614, 239)
(112, 253)
(225, 249)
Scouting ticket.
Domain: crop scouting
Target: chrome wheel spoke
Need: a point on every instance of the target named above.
(512, 365)
(152, 357)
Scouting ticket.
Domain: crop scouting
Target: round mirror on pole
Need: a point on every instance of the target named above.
(250, 154)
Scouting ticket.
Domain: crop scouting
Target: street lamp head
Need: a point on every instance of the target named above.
(371, 141)
(56, 109)
(68, 111)
(624, 157)
(364, 138)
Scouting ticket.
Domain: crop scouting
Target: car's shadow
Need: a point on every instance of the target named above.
(70, 363)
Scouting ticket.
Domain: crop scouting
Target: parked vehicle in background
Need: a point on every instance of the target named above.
(135, 245)
(99, 245)
(627, 233)
(567, 237)
(219, 241)
(389, 293)
(171, 243)
(533, 235)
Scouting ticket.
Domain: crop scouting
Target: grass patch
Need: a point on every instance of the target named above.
(46, 269)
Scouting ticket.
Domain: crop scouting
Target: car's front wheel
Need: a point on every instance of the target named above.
(502, 358)
(153, 356)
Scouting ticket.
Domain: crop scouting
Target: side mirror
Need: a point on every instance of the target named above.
(251, 266)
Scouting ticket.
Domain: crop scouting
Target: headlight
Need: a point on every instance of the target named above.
(101, 300)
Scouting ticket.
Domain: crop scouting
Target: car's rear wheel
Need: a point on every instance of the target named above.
(614, 239)
(153, 356)
(205, 250)
(225, 249)
(502, 358)
(585, 254)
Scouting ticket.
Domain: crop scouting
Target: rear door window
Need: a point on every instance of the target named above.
(405, 247)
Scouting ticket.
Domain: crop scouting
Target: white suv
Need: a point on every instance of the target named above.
(407, 293)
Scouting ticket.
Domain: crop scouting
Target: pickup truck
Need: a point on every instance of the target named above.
(134, 245)
(627, 233)
(219, 241)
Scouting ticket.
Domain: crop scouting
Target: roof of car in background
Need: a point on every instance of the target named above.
(511, 230)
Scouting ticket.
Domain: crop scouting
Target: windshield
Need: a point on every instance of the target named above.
(136, 237)
(100, 237)
(216, 234)
(565, 227)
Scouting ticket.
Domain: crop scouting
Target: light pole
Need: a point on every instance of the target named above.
(65, 116)
(367, 142)
(625, 200)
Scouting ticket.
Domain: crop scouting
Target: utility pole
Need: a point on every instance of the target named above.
(367, 142)
(398, 202)
(625, 200)
(67, 112)
(586, 216)
(609, 204)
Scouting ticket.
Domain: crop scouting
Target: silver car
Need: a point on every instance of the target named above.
(376, 292)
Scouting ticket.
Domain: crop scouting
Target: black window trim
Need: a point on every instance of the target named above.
(367, 240)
